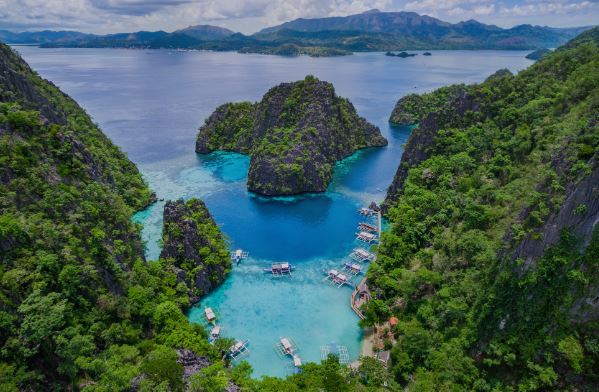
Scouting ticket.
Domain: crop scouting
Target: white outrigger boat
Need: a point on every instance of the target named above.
(337, 278)
(366, 237)
(239, 349)
(214, 333)
(353, 268)
(210, 315)
(239, 255)
(280, 269)
(362, 255)
(286, 347)
(362, 226)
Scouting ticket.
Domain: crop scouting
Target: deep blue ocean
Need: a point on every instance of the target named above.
(151, 103)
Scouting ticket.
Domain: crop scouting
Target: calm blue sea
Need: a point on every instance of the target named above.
(151, 103)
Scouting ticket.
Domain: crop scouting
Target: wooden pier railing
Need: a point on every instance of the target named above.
(352, 301)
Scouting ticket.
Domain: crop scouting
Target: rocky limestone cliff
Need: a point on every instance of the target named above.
(195, 246)
(294, 136)
(579, 215)
(447, 113)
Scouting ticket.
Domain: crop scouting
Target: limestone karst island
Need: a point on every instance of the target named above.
(299, 196)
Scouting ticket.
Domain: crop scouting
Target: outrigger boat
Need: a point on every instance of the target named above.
(361, 254)
(239, 349)
(366, 237)
(280, 269)
(366, 212)
(214, 333)
(210, 315)
(239, 255)
(337, 278)
(353, 268)
(362, 226)
(286, 347)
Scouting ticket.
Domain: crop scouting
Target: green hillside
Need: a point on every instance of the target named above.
(491, 261)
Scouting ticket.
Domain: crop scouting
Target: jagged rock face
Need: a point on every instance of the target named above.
(192, 363)
(195, 246)
(578, 214)
(294, 136)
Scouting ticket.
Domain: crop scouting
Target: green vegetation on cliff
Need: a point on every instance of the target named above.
(490, 263)
(195, 246)
(81, 309)
(411, 108)
(294, 136)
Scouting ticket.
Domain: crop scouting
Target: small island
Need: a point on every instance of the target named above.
(294, 136)
(401, 54)
(427, 54)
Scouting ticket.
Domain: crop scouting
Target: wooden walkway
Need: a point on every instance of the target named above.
(355, 305)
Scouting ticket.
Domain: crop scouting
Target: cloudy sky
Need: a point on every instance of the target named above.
(248, 16)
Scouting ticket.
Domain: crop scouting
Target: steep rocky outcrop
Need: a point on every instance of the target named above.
(451, 105)
(579, 213)
(411, 108)
(294, 136)
(195, 246)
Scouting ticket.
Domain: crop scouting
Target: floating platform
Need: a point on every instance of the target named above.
(362, 255)
(280, 269)
(286, 347)
(239, 349)
(366, 237)
(339, 351)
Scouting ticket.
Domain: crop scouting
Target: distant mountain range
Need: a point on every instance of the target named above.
(369, 31)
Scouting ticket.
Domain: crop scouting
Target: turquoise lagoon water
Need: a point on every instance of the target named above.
(151, 103)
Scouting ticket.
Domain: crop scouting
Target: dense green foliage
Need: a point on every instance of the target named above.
(194, 244)
(413, 107)
(471, 317)
(80, 306)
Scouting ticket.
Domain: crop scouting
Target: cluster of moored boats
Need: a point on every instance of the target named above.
(366, 234)
(286, 346)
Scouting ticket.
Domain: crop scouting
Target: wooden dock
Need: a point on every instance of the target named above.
(353, 303)
(356, 301)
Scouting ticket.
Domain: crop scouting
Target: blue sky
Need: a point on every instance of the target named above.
(108, 16)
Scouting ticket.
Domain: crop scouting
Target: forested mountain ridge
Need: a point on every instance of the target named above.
(80, 308)
(491, 260)
(330, 36)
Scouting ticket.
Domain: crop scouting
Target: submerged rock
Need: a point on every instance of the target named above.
(195, 246)
(294, 136)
